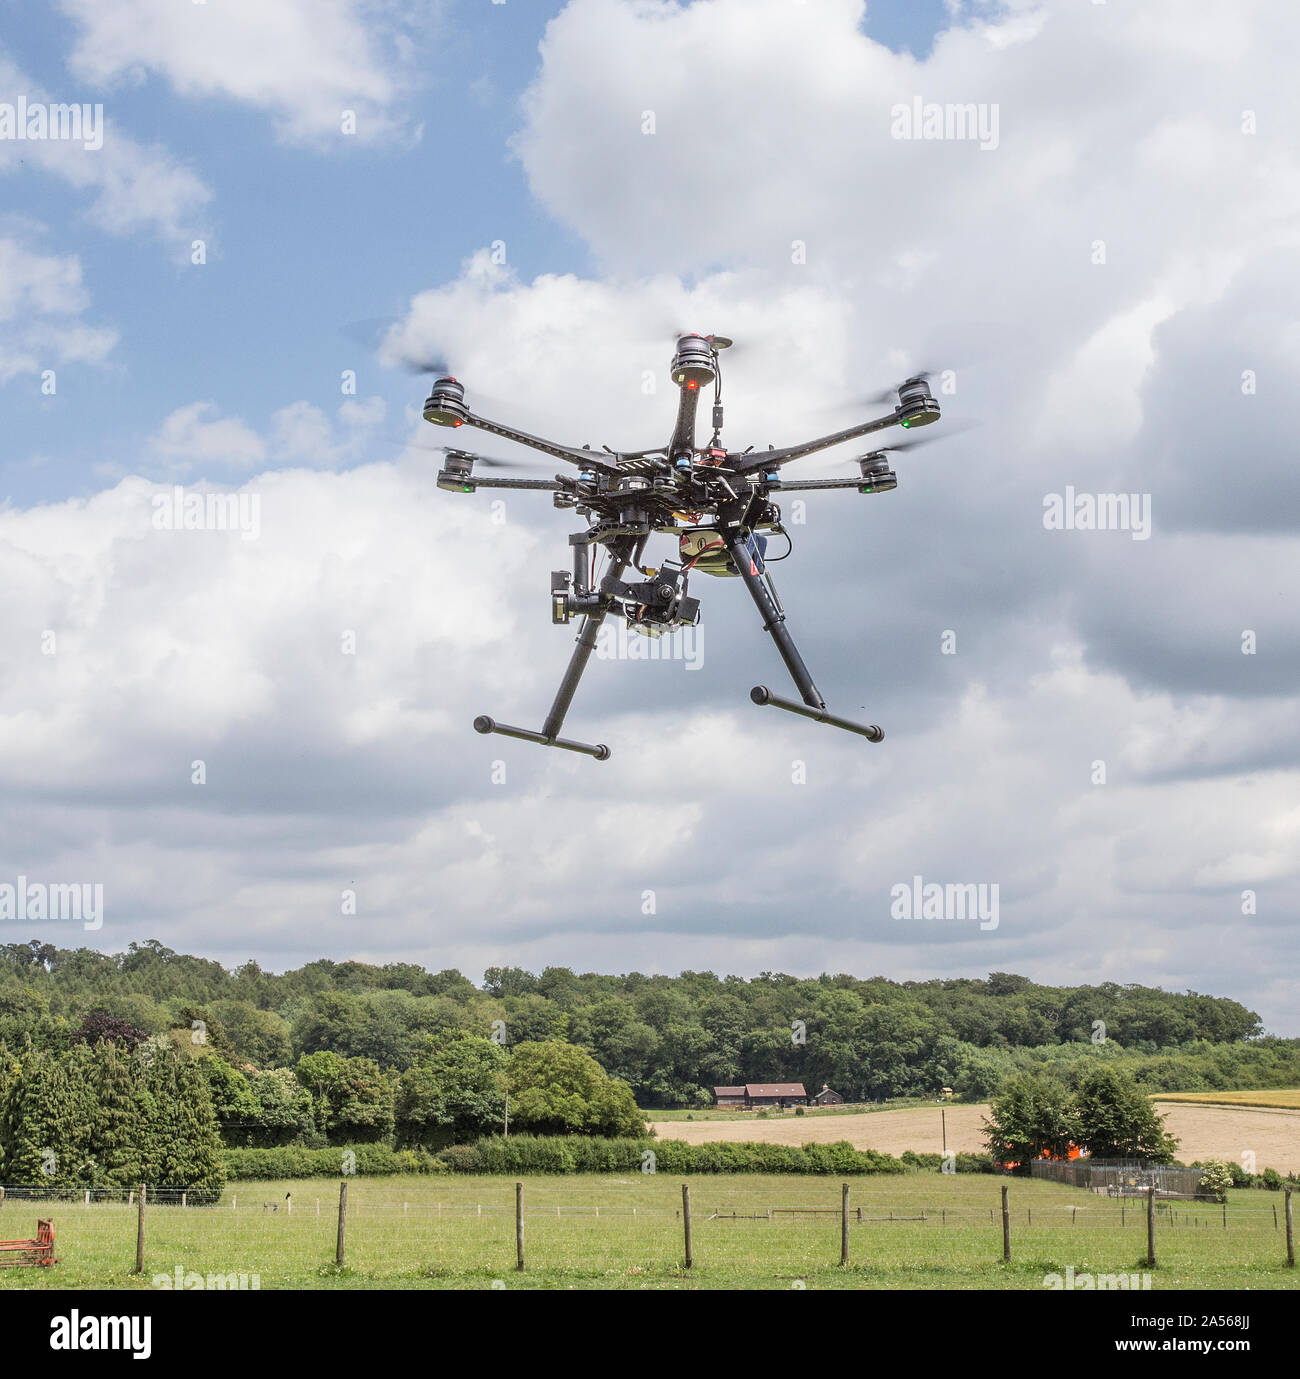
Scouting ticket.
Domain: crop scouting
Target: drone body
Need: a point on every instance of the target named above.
(716, 503)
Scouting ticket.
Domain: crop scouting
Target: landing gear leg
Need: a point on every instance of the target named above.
(813, 706)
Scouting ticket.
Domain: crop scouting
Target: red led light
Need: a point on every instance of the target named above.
(692, 384)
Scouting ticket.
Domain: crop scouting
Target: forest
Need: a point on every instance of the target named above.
(670, 1039)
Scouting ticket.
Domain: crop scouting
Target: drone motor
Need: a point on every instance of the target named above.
(445, 405)
(916, 404)
(693, 364)
(456, 474)
(877, 477)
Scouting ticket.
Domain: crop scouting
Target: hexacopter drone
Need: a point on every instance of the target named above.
(714, 501)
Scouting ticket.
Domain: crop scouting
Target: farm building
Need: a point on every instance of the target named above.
(756, 1095)
(826, 1097)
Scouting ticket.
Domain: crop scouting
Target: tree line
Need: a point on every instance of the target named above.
(119, 1107)
(670, 1039)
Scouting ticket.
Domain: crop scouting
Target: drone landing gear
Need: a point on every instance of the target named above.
(813, 706)
(484, 724)
(760, 694)
(550, 733)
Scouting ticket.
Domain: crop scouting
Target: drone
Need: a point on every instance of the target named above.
(714, 502)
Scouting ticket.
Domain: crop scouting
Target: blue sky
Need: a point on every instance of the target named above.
(304, 242)
(1111, 733)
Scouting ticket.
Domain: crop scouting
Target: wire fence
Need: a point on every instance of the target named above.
(277, 1237)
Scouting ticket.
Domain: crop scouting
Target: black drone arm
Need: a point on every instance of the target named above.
(772, 459)
(810, 484)
(584, 459)
(549, 485)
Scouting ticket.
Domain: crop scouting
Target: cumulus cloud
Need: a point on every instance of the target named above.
(1074, 715)
(304, 64)
(134, 188)
(196, 438)
(41, 298)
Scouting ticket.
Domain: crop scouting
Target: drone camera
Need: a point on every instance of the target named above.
(560, 581)
(445, 405)
(916, 404)
(456, 475)
(877, 477)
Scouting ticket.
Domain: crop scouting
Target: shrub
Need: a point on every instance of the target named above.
(297, 1161)
(460, 1158)
(1216, 1178)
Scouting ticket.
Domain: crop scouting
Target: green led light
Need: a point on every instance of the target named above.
(467, 489)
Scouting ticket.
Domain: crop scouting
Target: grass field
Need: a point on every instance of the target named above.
(622, 1233)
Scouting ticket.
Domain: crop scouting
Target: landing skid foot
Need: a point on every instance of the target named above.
(484, 724)
(760, 694)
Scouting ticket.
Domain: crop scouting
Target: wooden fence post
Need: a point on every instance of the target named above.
(343, 1222)
(1006, 1227)
(686, 1223)
(1290, 1233)
(519, 1226)
(139, 1231)
(844, 1226)
(1151, 1227)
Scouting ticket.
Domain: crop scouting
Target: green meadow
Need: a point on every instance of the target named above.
(920, 1230)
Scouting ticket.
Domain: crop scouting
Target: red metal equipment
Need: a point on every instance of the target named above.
(40, 1251)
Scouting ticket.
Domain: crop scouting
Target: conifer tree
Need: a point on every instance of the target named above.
(115, 1128)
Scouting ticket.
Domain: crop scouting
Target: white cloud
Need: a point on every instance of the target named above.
(135, 187)
(41, 295)
(1071, 648)
(303, 63)
(196, 437)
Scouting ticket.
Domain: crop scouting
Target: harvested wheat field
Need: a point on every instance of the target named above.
(891, 1132)
(1204, 1132)
(1288, 1098)
(1226, 1132)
